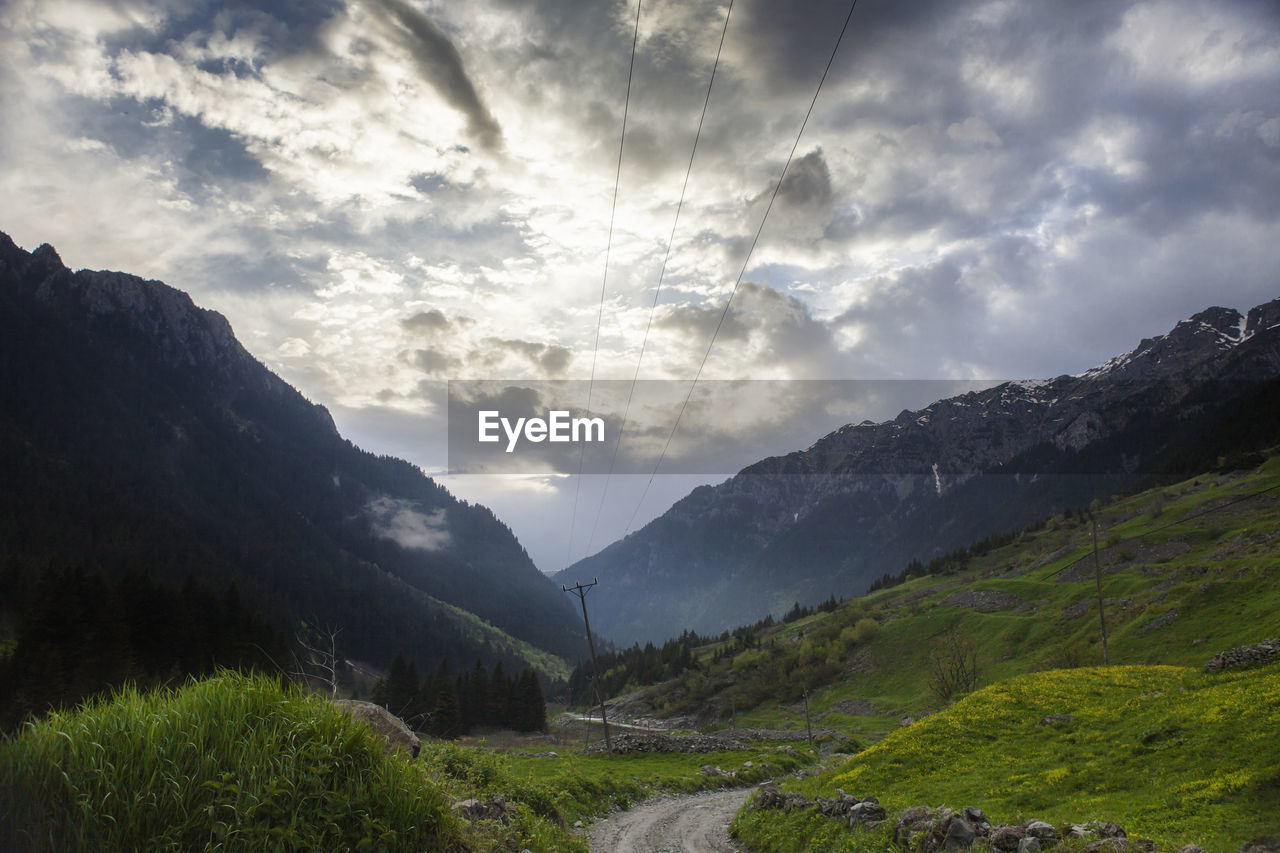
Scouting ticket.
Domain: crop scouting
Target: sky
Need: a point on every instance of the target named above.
(386, 195)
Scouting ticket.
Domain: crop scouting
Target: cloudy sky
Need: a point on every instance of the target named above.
(383, 195)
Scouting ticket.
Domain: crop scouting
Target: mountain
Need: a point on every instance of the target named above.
(138, 435)
(868, 498)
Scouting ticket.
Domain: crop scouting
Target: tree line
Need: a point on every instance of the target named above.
(80, 636)
(445, 705)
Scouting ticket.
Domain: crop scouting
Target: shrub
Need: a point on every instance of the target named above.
(234, 762)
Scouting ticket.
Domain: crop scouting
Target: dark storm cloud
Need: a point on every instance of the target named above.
(427, 321)
(696, 323)
(433, 361)
(552, 359)
(808, 183)
(441, 65)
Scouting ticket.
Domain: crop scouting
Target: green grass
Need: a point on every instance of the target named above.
(585, 786)
(1172, 754)
(236, 762)
(233, 763)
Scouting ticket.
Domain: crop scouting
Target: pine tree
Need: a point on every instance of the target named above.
(496, 708)
(446, 714)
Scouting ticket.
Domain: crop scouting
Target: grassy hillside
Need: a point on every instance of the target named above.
(503, 644)
(1187, 570)
(1170, 753)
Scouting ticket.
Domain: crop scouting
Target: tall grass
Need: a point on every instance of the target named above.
(1172, 754)
(230, 763)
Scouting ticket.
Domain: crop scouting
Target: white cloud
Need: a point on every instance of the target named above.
(1196, 44)
(975, 131)
(981, 180)
(403, 523)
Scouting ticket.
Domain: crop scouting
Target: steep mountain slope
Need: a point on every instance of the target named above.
(137, 433)
(1187, 569)
(867, 498)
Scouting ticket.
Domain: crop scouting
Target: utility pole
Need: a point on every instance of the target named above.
(1097, 573)
(807, 726)
(580, 590)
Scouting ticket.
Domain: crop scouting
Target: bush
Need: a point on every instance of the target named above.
(865, 629)
(234, 762)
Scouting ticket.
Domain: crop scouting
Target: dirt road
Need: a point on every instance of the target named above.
(695, 823)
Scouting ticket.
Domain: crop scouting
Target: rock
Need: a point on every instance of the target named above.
(1030, 844)
(390, 728)
(1192, 848)
(738, 739)
(1258, 653)
(1095, 829)
(960, 834)
(747, 765)
(1107, 829)
(974, 816)
(716, 772)
(1119, 845)
(1007, 837)
(1262, 845)
(927, 829)
(1056, 719)
(769, 797)
(1040, 829)
(577, 824)
(982, 600)
(1158, 622)
(866, 812)
(496, 809)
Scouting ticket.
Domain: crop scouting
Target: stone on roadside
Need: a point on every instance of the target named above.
(394, 734)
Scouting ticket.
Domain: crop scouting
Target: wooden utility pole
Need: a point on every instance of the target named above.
(1097, 573)
(807, 727)
(580, 590)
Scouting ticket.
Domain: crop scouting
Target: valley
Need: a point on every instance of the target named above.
(1022, 629)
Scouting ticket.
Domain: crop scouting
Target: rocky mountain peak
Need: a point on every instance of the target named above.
(46, 259)
(1262, 317)
(157, 320)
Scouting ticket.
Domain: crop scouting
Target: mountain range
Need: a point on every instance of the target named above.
(138, 435)
(868, 498)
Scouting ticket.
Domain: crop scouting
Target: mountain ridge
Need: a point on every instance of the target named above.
(142, 434)
(867, 498)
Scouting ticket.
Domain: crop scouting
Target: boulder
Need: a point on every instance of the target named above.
(390, 728)
(769, 797)
(866, 812)
(496, 809)
(1007, 837)
(960, 834)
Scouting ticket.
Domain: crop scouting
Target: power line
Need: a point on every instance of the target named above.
(746, 262)
(604, 281)
(626, 411)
